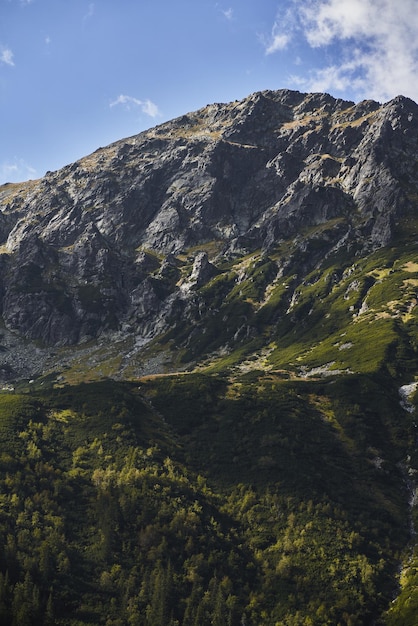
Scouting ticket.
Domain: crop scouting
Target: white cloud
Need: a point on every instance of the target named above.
(90, 12)
(229, 13)
(278, 39)
(150, 108)
(15, 171)
(129, 102)
(330, 78)
(328, 20)
(6, 56)
(373, 45)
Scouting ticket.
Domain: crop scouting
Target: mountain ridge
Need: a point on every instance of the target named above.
(208, 366)
(108, 244)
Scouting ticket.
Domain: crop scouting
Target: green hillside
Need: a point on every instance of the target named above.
(203, 499)
(209, 373)
(269, 483)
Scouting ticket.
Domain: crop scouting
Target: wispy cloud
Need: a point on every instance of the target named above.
(283, 30)
(129, 102)
(278, 40)
(90, 13)
(332, 77)
(16, 170)
(228, 13)
(374, 42)
(6, 56)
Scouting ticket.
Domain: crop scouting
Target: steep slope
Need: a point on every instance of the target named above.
(199, 501)
(115, 242)
(266, 252)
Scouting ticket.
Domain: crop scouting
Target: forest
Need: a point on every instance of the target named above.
(205, 499)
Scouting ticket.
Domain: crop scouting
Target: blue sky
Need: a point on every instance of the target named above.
(78, 74)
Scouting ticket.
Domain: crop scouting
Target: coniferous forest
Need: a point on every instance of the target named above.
(198, 499)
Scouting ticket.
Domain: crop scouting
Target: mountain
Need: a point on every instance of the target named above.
(209, 360)
(132, 243)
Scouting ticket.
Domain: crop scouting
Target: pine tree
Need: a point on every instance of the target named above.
(49, 619)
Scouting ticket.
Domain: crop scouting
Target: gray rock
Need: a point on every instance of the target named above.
(97, 246)
(202, 270)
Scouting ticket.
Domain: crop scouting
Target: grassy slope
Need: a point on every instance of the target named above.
(278, 500)
(258, 489)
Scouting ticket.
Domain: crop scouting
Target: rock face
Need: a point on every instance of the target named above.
(115, 241)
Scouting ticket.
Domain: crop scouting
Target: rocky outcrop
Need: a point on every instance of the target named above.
(116, 240)
(203, 270)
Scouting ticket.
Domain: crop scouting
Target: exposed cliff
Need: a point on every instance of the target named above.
(114, 242)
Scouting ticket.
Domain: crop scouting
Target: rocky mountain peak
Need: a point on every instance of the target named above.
(102, 244)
